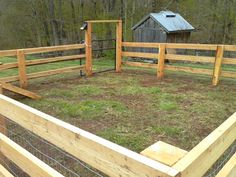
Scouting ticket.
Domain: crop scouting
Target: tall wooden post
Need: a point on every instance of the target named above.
(118, 45)
(161, 61)
(88, 43)
(22, 68)
(1, 89)
(217, 66)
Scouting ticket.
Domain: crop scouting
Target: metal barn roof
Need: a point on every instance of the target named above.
(171, 22)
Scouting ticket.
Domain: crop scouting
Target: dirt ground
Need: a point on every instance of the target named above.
(134, 109)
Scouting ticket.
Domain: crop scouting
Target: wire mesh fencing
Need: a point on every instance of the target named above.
(220, 163)
(50, 154)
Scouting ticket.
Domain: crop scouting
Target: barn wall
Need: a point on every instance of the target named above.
(149, 31)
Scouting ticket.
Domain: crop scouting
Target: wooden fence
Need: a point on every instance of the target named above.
(163, 55)
(22, 64)
(106, 156)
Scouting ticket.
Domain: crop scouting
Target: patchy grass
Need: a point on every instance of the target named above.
(135, 110)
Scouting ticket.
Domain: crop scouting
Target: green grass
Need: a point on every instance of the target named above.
(132, 108)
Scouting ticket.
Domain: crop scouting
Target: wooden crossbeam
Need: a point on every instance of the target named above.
(164, 153)
(18, 90)
(4, 172)
(101, 154)
(25, 160)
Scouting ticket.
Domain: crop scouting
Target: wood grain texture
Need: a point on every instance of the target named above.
(161, 61)
(197, 161)
(26, 161)
(101, 154)
(164, 153)
(140, 55)
(118, 46)
(4, 172)
(22, 68)
(20, 91)
(229, 169)
(217, 66)
(88, 44)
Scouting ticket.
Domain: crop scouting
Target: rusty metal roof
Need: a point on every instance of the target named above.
(171, 22)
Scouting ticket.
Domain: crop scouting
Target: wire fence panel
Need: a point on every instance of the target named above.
(222, 161)
(55, 157)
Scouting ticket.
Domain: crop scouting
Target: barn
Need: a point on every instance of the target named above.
(165, 26)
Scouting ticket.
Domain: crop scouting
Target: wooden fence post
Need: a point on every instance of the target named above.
(118, 46)
(88, 48)
(1, 89)
(22, 68)
(161, 61)
(217, 66)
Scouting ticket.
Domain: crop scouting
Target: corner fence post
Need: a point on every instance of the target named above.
(118, 45)
(161, 61)
(22, 68)
(217, 66)
(88, 49)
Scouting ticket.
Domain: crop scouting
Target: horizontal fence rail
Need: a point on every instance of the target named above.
(216, 72)
(22, 63)
(106, 156)
(101, 154)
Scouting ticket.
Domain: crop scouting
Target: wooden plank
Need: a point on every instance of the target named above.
(188, 69)
(191, 46)
(164, 153)
(229, 61)
(22, 69)
(140, 44)
(161, 61)
(139, 64)
(20, 91)
(88, 43)
(140, 55)
(42, 61)
(54, 59)
(229, 170)
(26, 161)
(231, 48)
(118, 46)
(8, 66)
(55, 71)
(101, 154)
(4, 172)
(53, 48)
(8, 53)
(192, 58)
(205, 154)
(103, 21)
(1, 89)
(218, 63)
(228, 74)
(9, 79)
(44, 73)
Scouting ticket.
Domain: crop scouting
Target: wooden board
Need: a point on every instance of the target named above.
(140, 55)
(188, 69)
(103, 21)
(53, 48)
(20, 91)
(118, 46)
(22, 69)
(139, 64)
(229, 74)
(140, 44)
(217, 66)
(191, 46)
(191, 58)
(164, 153)
(229, 170)
(101, 154)
(197, 161)
(26, 161)
(4, 172)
